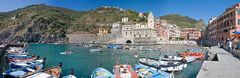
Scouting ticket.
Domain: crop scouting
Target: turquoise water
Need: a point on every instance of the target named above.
(84, 62)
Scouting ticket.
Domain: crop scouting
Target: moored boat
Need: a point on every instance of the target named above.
(66, 52)
(53, 72)
(196, 55)
(21, 58)
(101, 73)
(146, 72)
(95, 50)
(124, 71)
(162, 65)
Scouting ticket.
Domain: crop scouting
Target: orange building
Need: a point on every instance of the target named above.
(191, 33)
(220, 28)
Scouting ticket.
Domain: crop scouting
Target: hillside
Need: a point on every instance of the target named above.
(46, 24)
(182, 21)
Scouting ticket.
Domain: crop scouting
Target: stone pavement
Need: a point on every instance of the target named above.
(227, 66)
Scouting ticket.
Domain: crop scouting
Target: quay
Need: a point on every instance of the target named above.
(224, 66)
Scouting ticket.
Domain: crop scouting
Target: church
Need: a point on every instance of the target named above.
(136, 33)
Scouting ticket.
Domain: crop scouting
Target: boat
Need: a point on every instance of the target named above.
(66, 52)
(124, 71)
(112, 46)
(69, 76)
(19, 73)
(101, 73)
(17, 51)
(95, 50)
(196, 55)
(171, 58)
(162, 65)
(21, 58)
(189, 59)
(145, 72)
(53, 72)
(31, 64)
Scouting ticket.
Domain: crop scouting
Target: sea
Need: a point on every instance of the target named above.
(84, 62)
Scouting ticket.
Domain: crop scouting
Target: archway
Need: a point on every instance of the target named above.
(128, 41)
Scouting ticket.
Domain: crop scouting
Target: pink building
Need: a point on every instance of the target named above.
(191, 33)
(223, 26)
(162, 30)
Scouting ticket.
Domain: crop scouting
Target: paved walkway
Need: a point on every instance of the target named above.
(227, 66)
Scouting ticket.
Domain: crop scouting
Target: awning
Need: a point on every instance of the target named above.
(236, 34)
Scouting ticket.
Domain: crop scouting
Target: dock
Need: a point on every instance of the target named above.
(226, 66)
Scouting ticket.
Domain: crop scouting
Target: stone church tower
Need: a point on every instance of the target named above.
(150, 20)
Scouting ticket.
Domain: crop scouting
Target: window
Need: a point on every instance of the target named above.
(238, 11)
(238, 21)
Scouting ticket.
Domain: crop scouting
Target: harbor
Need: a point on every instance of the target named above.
(83, 64)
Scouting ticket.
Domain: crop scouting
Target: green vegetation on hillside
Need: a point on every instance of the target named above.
(33, 22)
(181, 21)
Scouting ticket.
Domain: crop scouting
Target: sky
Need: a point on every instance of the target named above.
(197, 9)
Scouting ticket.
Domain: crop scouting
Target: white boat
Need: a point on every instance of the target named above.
(162, 65)
(95, 50)
(69, 76)
(66, 52)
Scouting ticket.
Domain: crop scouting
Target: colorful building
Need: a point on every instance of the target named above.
(220, 28)
(190, 33)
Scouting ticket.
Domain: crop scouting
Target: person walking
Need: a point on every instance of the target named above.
(230, 45)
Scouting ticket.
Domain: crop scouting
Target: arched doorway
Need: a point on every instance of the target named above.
(128, 41)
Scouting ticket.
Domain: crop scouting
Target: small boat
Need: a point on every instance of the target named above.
(21, 58)
(162, 65)
(18, 73)
(66, 52)
(146, 72)
(69, 76)
(171, 58)
(136, 55)
(95, 50)
(101, 73)
(189, 59)
(124, 71)
(196, 55)
(15, 50)
(31, 64)
(53, 72)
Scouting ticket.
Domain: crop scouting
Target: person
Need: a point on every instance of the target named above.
(230, 45)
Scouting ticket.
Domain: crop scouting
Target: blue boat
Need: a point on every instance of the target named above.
(101, 73)
(146, 72)
(31, 64)
(18, 73)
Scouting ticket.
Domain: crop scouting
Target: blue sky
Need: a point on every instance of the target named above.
(196, 9)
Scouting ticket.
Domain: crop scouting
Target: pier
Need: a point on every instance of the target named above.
(226, 65)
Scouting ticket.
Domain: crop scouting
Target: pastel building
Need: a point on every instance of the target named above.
(223, 26)
(191, 33)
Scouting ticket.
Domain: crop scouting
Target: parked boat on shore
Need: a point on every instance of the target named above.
(124, 71)
(101, 73)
